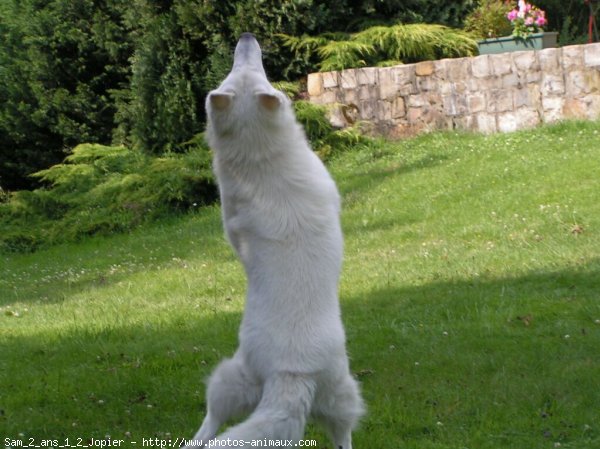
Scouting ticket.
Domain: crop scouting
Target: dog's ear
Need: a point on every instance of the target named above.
(268, 101)
(220, 100)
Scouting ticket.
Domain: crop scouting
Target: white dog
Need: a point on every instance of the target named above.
(281, 215)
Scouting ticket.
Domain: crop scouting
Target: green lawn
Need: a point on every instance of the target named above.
(470, 293)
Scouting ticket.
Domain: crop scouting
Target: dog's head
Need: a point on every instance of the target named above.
(245, 97)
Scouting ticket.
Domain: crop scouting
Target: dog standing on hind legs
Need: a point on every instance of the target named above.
(281, 215)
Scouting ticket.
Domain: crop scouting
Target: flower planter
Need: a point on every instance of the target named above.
(537, 41)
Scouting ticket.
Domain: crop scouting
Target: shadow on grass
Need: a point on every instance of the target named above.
(509, 362)
(355, 185)
(486, 355)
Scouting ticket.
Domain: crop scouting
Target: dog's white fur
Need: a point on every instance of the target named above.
(281, 215)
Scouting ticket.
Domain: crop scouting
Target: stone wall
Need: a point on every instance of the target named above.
(489, 93)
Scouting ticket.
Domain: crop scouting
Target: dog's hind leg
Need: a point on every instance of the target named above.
(338, 407)
(281, 413)
(231, 391)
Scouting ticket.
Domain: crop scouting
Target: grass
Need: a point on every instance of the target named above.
(470, 294)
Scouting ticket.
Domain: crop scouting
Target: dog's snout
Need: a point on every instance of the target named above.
(248, 53)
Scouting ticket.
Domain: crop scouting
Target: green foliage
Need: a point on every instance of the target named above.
(324, 139)
(101, 190)
(570, 34)
(384, 45)
(489, 19)
(60, 62)
(164, 108)
(569, 18)
(339, 55)
(370, 12)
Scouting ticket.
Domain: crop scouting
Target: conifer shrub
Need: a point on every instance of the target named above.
(383, 45)
(101, 190)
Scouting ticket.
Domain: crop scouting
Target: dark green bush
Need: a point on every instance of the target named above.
(489, 19)
(100, 190)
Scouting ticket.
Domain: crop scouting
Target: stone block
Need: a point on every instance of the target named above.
(330, 79)
(486, 123)
(549, 58)
(387, 84)
(450, 105)
(367, 76)
(405, 79)
(501, 64)
(522, 98)
(575, 108)
(553, 103)
(424, 68)
(329, 97)
(446, 87)
(348, 79)
(366, 92)
(591, 55)
(552, 84)
(336, 118)
(314, 84)
(398, 108)
(552, 109)
(415, 115)
(480, 67)
(466, 122)
(592, 80)
(533, 76)
(476, 103)
(507, 122)
(454, 105)
(457, 69)
(535, 96)
(578, 82)
(384, 110)
(525, 61)
(572, 57)
(367, 110)
(487, 84)
(510, 80)
(417, 101)
(350, 96)
(593, 105)
(499, 100)
(426, 83)
(460, 87)
(527, 118)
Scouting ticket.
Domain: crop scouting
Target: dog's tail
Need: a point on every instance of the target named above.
(280, 415)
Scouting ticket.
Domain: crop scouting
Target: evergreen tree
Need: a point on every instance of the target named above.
(59, 62)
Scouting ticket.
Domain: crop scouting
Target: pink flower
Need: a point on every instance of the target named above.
(529, 21)
(541, 21)
(512, 15)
